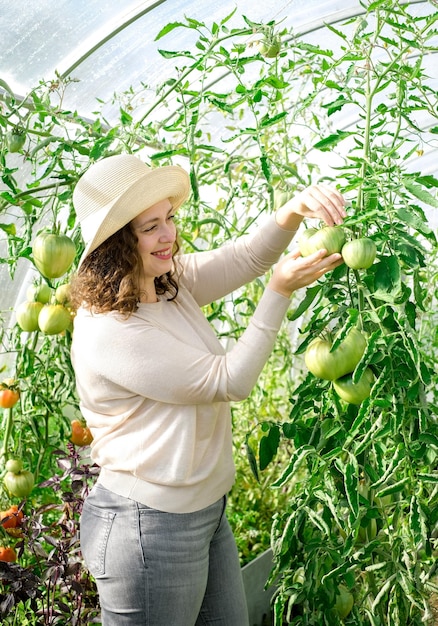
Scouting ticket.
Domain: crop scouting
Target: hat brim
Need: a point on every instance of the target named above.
(168, 182)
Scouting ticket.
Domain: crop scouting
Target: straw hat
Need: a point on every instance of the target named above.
(114, 190)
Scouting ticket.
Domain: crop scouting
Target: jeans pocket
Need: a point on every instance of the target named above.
(94, 535)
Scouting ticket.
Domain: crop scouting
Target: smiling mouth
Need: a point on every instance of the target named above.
(163, 254)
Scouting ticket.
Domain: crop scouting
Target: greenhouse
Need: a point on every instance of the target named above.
(218, 278)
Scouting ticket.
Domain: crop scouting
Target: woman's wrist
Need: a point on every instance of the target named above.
(286, 219)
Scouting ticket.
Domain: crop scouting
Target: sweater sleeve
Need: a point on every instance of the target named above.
(154, 363)
(212, 274)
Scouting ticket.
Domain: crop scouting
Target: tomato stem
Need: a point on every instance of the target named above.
(8, 431)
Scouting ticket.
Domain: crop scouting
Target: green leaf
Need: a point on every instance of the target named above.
(329, 142)
(351, 478)
(251, 459)
(295, 462)
(125, 117)
(268, 446)
(264, 161)
(310, 296)
(168, 28)
(169, 54)
(387, 278)
(9, 229)
(421, 193)
(336, 105)
(269, 121)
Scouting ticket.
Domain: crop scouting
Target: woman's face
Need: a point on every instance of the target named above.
(156, 233)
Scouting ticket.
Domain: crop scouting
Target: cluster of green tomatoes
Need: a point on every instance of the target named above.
(46, 308)
(336, 360)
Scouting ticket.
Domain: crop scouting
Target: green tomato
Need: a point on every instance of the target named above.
(369, 532)
(19, 484)
(53, 254)
(269, 47)
(354, 393)
(333, 365)
(14, 465)
(15, 139)
(54, 319)
(62, 293)
(303, 243)
(330, 238)
(360, 253)
(344, 602)
(281, 197)
(27, 314)
(39, 293)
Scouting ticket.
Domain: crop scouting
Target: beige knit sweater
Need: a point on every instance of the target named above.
(155, 388)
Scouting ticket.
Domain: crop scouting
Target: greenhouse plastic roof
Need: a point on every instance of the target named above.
(107, 46)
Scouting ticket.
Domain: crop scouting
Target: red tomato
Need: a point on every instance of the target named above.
(7, 554)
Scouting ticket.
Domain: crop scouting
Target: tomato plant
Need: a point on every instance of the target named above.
(308, 451)
(53, 254)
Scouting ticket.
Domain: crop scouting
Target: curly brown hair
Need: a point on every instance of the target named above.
(109, 277)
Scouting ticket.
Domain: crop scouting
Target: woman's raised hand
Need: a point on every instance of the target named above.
(316, 202)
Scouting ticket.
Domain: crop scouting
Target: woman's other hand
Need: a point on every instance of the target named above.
(315, 202)
(294, 271)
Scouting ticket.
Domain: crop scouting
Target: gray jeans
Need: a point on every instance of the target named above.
(161, 569)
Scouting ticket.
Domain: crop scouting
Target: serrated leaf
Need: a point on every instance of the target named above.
(351, 477)
(421, 193)
(331, 141)
(295, 462)
(310, 296)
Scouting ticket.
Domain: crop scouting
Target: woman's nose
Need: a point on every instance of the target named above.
(168, 233)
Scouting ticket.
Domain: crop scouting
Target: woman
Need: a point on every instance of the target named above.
(155, 385)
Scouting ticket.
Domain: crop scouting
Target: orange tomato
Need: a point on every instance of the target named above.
(11, 518)
(7, 554)
(8, 397)
(80, 434)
